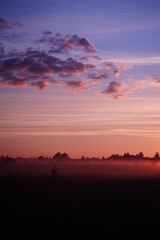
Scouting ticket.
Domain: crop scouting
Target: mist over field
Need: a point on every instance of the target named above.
(79, 168)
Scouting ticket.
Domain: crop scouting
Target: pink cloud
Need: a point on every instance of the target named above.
(96, 81)
(118, 97)
(155, 83)
(77, 86)
(41, 85)
(116, 68)
(109, 65)
(114, 87)
(56, 82)
(117, 72)
(90, 57)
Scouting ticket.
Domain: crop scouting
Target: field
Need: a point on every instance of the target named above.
(80, 206)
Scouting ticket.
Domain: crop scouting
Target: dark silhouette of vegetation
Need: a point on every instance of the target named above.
(42, 158)
(61, 156)
(140, 155)
(65, 157)
(128, 156)
(6, 159)
(156, 156)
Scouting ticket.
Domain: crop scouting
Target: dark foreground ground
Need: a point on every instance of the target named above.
(79, 208)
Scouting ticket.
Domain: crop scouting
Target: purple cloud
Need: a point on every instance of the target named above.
(78, 86)
(114, 87)
(96, 76)
(8, 79)
(90, 57)
(2, 52)
(116, 68)
(4, 24)
(40, 66)
(63, 44)
(32, 67)
(41, 85)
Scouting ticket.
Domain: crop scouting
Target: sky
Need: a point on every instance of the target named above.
(81, 77)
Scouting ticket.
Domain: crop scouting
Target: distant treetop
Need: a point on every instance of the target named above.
(61, 156)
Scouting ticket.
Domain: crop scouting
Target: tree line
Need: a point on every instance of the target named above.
(65, 157)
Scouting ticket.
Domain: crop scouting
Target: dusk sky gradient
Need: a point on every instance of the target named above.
(81, 77)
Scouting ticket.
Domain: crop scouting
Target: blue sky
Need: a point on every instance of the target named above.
(117, 25)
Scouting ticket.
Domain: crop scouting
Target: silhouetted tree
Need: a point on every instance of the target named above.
(40, 158)
(140, 155)
(126, 155)
(156, 156)
(61, 156)
(7, 159)
(114, 156)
